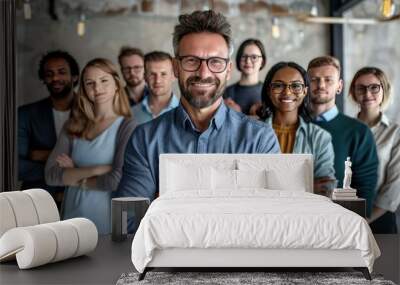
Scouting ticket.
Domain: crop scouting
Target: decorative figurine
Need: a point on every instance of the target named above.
(346, 192)
(347, 174)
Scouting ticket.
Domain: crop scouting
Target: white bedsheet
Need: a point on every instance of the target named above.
(252, 218)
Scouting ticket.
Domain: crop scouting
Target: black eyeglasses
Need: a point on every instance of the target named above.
(253, 57)
(372, 88)
(294, 87)
(192, 63)
(135, 68)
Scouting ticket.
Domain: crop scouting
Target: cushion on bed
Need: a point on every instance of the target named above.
(223, 179)
(215, 173)
(290, 175)
(251, 178)
(230, 180)
(188, 174)
(277, 180)
(184, 177)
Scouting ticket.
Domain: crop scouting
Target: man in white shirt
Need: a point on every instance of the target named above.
(159, 77)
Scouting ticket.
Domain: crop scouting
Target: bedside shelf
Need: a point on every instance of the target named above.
(357, 205)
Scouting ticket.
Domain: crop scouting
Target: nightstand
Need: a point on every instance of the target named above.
(123, 209)
(356, 205)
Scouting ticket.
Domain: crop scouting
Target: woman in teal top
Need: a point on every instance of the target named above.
(284, 98)
(88, 156)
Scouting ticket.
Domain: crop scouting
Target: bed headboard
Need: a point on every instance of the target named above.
(179, 172)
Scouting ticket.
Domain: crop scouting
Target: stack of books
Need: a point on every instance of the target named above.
(344, 194)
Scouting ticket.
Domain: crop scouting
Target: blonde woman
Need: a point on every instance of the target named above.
(370, 89)
(88, 156)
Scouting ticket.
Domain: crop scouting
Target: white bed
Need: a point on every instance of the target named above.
(241, 210)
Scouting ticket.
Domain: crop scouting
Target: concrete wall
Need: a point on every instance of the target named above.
(373, 45)
(107, 32)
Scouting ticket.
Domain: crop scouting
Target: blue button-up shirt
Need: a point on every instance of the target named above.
(142, 112)
(174, 132)
(327, 115)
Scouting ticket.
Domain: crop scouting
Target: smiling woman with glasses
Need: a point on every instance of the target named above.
(285, 98)
(294, 87)
(370, 89)
(250, 59)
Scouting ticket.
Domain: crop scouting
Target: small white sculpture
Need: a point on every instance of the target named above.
(347, 174)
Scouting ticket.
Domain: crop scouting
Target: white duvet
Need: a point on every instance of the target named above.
(253, 218)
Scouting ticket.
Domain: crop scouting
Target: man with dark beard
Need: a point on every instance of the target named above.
(39, 123)
(202, 123)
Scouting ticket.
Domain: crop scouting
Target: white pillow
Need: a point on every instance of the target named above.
(278, 180)
(228, 179)
(224, 179)
(251, 178)
(281, 174)
(185, 177)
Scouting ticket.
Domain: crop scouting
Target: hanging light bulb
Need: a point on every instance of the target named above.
(314, 10)
(387, 8)
(27, 10)
(81, 27)
(276, 33)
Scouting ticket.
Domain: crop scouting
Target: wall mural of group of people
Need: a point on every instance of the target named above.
(94, 137)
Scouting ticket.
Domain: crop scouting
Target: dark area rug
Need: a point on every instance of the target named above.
(229, 278)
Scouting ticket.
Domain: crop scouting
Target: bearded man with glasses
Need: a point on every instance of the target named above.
(350, 137)
(202, 123)
(131, 61)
